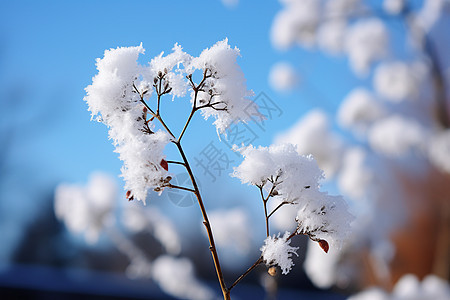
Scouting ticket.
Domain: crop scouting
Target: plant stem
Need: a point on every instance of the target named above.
(260, 260)
(189, 119)
(265, 210)
(175, 162)
(195, 190)
(276, 208)
(158, 117)
(172, 186)
(212, 246)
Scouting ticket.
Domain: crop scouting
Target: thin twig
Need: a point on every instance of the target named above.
(180, 188)
(212, 246)
(159, 118)
(188, 121)
(260, 260)
(265, 210)
(276, 208)
(175, 162)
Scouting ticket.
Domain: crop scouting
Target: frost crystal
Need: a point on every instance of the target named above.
(295, 179)
(113, 100)
(165, 64)
(324, 217)
(224, 95)
(288, 172)
(277, 251)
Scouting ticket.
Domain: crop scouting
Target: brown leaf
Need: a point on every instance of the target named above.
(324, 245)
(164, 164)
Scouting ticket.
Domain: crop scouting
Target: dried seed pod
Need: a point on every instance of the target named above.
(272, 271)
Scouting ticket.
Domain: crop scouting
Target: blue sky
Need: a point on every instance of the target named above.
(47, 58)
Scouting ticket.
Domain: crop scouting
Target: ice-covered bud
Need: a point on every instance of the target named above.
(324, 218)
(277, 251)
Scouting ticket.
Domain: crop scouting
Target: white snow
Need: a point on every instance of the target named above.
(277, 251)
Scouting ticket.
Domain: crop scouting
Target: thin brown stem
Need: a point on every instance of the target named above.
(159, 118)
(265, 209)
(212, 246)
(259, 261)
(180, 188)
(175, 162)
(189, 120)
(276, 208)
(185, 163)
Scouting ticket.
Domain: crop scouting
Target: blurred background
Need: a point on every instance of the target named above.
(364, 86)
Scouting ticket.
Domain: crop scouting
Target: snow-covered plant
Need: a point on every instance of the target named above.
(294, 180)
(128, 98)
(391, 153)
